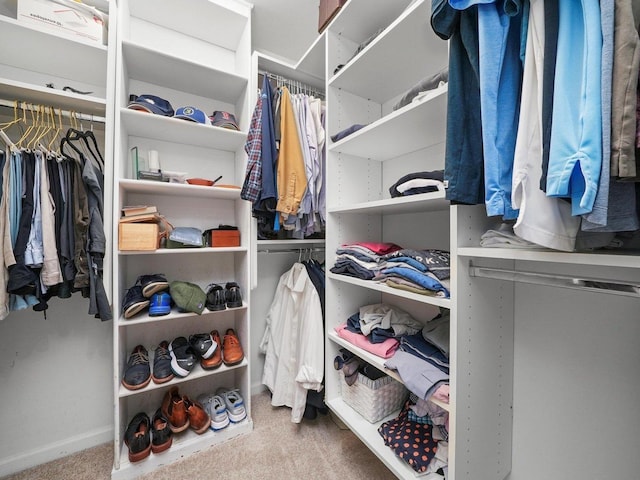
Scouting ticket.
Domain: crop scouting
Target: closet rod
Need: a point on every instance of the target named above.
(65, 113)
(563, 281)
(292, 250)
(293, 83)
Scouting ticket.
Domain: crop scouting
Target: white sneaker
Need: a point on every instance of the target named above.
(234, 404)
(217, 410)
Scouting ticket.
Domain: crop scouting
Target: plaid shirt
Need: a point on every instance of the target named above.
(253, 146)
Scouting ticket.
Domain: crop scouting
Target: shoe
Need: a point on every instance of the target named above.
(137, 437)
(217, 410)
(232, 353)
(162, 371)
(175, 411)
(216, 298)
(151, 284)
(203, 345)
(215, 360)
(137, 375)
(134, 302)
(234, 404)
(199, 419)
(161, 434)
(160, 304)
(232, 295)
(183, 358)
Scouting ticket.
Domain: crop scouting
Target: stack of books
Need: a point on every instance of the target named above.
(139, 214)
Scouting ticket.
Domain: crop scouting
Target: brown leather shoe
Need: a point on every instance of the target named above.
(232, 353)
(199, 419)
(215, 360)
(174, 410)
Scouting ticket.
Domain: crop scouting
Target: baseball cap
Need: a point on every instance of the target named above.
(187, 296)
(192, 114)
(224, 120)
(151, 104)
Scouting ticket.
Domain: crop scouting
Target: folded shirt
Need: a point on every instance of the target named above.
(384, 349)
(436, 261)
(428, 83)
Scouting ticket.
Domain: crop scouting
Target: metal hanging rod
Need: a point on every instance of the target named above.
(64, 112)
(301, 87)
(292, 250)
(590, 284)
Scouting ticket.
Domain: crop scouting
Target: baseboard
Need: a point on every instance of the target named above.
(54, 451)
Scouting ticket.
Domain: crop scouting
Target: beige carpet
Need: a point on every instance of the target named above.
(275, 449)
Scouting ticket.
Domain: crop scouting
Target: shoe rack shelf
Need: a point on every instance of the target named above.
(197, 57)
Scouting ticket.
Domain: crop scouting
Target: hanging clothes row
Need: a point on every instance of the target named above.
(542, 125)
(51, 213)
(285, 177)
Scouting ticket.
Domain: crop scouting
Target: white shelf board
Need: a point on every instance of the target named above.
(151, 66)
(197, 372)
(218, 22)
(57, 98)
(630, 259)
(380, 287)
(413, 127)
(424, 202)
(178, 189)
(293, 243)
(51, 53)
(368, 433)
(379, 73)
(184, 444)
(312, 61)
(359, 19)
(174, 315)
(374, 360)
(176, 130)
(183, 251)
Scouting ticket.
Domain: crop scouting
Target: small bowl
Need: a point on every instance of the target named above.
(200, 181)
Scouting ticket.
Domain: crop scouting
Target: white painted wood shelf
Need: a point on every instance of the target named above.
(178, 189)
(423, 202)
(174, 315)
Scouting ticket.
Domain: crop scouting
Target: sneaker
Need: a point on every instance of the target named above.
(199, 419)
(217, 410)
(216, 298)
(232, 352)
(215, 360)
(234, 404)
(137, 437)
(161, 434)
(137, 374)
(183, 358)
(232, 295)
(162, 371)
(151, 284)
(175, 411)
(160, 304)
(133, 302)
(203, 345)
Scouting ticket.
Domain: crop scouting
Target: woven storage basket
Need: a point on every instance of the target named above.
(374, 399)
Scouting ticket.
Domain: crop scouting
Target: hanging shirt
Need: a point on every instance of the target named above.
(253, 146)
(293, 342)
(268, 152)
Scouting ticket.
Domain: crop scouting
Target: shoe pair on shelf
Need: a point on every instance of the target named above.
(137, 373)
(229, 351)
(183, 412)
(219, 298)
(223, 407)
(145, 435)
(149, 291)
(206, 347)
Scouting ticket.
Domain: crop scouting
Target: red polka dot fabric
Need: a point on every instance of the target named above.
(411, 441)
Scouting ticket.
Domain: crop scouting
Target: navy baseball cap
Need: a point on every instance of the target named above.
(192, 114)
(151, 104)
(224, 120)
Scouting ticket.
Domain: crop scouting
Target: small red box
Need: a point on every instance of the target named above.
(225, 238)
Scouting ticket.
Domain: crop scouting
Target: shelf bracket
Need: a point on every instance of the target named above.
(591, 284)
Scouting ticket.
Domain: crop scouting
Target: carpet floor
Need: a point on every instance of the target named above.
(275, 449)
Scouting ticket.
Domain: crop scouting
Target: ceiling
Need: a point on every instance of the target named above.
(284, 28)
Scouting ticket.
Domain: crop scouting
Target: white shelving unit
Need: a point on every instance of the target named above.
(198, 57)
(362, 166)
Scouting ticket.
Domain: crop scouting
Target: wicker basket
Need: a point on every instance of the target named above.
(374, 399)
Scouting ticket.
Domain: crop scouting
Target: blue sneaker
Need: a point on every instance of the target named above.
(160, 304)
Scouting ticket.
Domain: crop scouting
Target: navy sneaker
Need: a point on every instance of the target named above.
(162, 371)
(183, 357)
(137, 375)
(151, 284)
(134, 302)
(160, 304)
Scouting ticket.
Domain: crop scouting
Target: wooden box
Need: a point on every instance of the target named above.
(327, 10)
(225, 238)
(138, 236)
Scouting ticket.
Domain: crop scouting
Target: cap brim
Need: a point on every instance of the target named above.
(140, 108)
